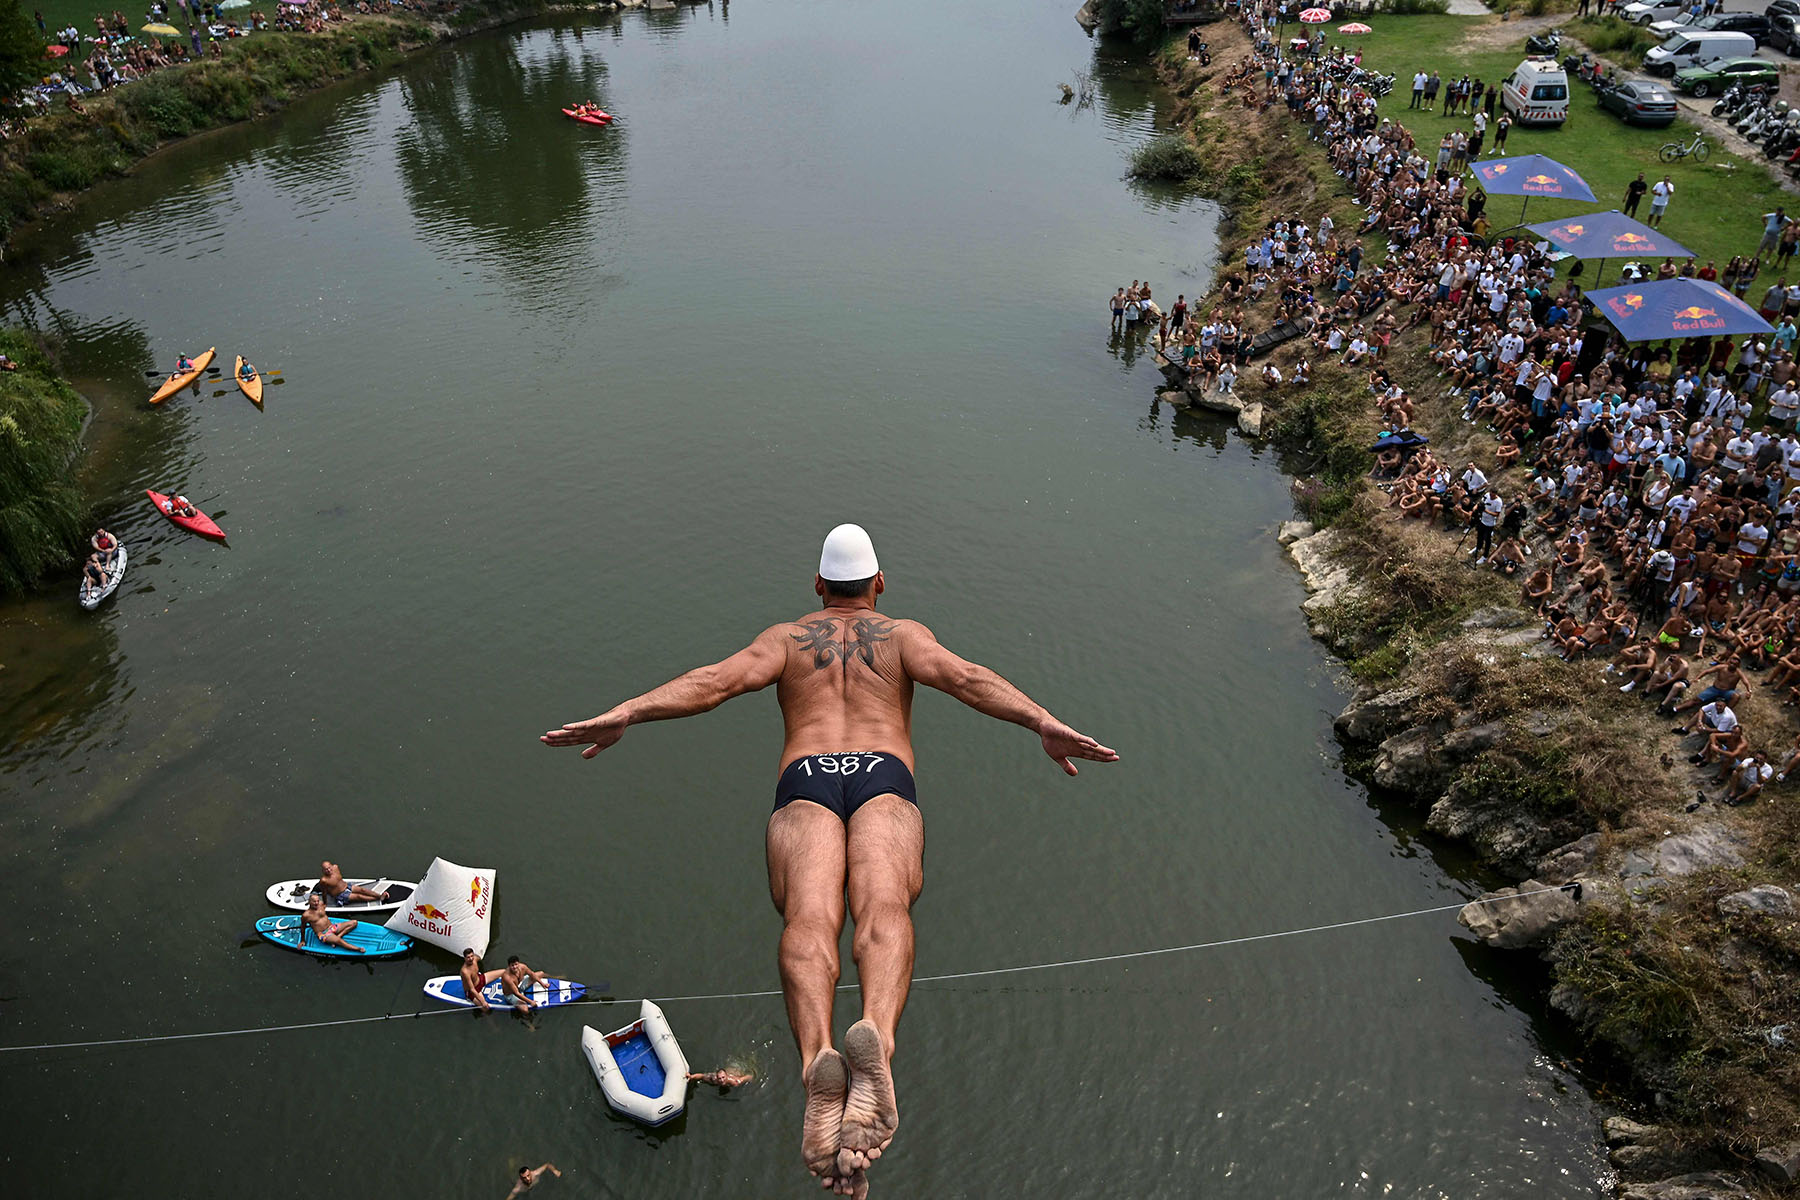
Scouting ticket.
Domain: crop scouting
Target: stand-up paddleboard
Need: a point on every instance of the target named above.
(199, 523)
(449, 989)
(181, 379)
(641, 1069)
(90, 595)
(292, 894)
(293, 933)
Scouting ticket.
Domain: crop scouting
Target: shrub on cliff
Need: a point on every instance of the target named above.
(1170, 158)
(1144, 18)
(42, 515)
(21, 50)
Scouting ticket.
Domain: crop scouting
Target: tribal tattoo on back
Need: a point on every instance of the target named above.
(858, 640)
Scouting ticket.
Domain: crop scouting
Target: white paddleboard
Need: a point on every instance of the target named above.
(449, 989)
(291, 894)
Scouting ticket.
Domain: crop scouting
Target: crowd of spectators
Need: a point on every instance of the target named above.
(1646, 495)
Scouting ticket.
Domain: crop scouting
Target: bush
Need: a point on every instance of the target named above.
(1169, 157)
(1615, 36)
(42, 515)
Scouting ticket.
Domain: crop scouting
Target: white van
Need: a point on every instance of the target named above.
(1537, 93)
(1696, 50)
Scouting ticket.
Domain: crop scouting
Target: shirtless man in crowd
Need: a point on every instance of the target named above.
(846, 821)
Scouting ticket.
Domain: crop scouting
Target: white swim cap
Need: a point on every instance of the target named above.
(848, 556)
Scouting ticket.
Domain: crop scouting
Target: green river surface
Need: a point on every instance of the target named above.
(567, 410)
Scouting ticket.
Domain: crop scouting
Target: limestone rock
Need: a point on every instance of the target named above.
(1780, 1163)
(1764, 898)
(1329, 583)
(1292, 531)
(1498, 618)
(1374, 718)
(1512, 918)
(1623, 1131)
(1176, 396)
(1541, 722)
(1465, 744)
(1508, 837)
(1706, 1185)
(631, 3)
(1223, 402)
(1408, 762)
(660, 5)
(1250, 420)
(1566, 862)
(1652, 1158)
(1084, 16)
(1702, 848)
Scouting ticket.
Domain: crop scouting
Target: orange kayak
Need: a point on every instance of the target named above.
(181, 379)
(251, 387)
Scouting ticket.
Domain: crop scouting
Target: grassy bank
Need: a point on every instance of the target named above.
(1680, 993)
(43, 517)
(64, 152)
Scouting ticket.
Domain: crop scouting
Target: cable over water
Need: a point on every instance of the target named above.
(843, 987)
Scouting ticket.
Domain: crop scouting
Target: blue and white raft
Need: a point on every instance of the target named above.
(449, 989)
(293, 933)
(641, 1068)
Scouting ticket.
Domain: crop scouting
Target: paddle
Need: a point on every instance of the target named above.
(166, 374)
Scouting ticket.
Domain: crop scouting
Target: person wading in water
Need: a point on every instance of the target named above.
(846, 822)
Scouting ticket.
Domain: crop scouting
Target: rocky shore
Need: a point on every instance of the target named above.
(1672, 939)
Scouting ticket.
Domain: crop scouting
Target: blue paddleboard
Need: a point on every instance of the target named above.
(449, 989)
(377, 941)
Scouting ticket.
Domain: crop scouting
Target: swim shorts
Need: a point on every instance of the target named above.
(844, 783)
(343, 897)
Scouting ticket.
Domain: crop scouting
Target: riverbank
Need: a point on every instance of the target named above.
(1676, 956)
(43, 515)
(64, 153)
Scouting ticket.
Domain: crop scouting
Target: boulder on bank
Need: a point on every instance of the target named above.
(1566, 862)
(1377, 716)
(1623, 1131)
(1706, 1185)
(1780, 1163)
(1292, 531)
(1250, 420)
(1700, 849)
(1513, 918)
(1329, 582)
(1765, 899)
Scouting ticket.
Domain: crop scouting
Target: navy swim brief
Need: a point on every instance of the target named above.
(845, 782)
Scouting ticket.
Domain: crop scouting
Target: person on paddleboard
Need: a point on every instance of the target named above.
(324, 929)
(846, 820)
(331, 880)
(513, 981)
(474, 979)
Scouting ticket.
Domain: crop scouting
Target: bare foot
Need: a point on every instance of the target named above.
(871, 1114)
(826, 1081)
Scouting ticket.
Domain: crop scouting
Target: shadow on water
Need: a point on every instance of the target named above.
(490, 165)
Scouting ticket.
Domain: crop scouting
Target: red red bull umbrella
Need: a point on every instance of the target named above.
(1609, 235)
(1670, 308)
(1531, 176)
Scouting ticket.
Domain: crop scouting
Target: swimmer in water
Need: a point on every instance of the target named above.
(724, 1078)
(845, 821)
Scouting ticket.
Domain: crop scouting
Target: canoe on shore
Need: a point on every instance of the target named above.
(181, 379)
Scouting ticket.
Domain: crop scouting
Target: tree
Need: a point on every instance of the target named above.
(21, 50)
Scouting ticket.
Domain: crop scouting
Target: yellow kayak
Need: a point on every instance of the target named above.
(251, 386)
(181, 379)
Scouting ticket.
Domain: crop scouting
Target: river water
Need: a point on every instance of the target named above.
(566, 410)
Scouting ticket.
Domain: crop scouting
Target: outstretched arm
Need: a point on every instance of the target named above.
(928, 662)
(703, 689)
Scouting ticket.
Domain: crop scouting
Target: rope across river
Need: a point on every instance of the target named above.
(917, 979)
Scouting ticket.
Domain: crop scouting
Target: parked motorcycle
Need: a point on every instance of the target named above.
(1544, 45)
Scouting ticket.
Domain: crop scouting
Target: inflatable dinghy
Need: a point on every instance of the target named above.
(641, 1069)
(90, 595)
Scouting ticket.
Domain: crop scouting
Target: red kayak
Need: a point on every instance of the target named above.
(199, 523)
(591, 116)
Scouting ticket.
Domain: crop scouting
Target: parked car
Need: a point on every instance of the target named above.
(1642, 12)
(1784, 32)
(1640, 102)
(1537, 92)
(1782, 8)
(1754, 24)
(1696, 49)
(1716, 77)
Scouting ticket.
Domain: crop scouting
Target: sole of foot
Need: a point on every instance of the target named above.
(871, 1114)
(827, 1081)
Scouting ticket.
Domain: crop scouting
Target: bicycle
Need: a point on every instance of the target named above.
(1697, 148)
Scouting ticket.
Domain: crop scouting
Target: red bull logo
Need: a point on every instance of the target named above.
(1570, 232)
(1696, 319)
(1694, 312)
(479, 891)
(1542, 183)
(1624, 306)
(430, 918)
(1634, 301)
(1494, 171)
(1628, 241)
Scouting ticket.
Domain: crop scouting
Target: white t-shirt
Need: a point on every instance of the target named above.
(1660, 193)
(1717, 715)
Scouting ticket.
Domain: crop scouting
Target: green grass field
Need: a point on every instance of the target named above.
(1718, 206)
(59, 14)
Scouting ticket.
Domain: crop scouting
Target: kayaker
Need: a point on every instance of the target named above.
(846, 820)
(246, 372)
(331, 879)
(324, 929)
(183, 364)
(106, 544)
(179, 507)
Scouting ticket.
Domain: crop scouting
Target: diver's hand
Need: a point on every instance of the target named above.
(1062, 743)
(596, 734)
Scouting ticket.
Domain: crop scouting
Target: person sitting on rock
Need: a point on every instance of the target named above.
(1634, 664)
(1748, 776)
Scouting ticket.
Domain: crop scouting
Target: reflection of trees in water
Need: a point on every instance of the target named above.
(490, 159)
(1127, 86)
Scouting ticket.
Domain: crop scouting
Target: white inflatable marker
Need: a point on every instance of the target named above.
(452, 907)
